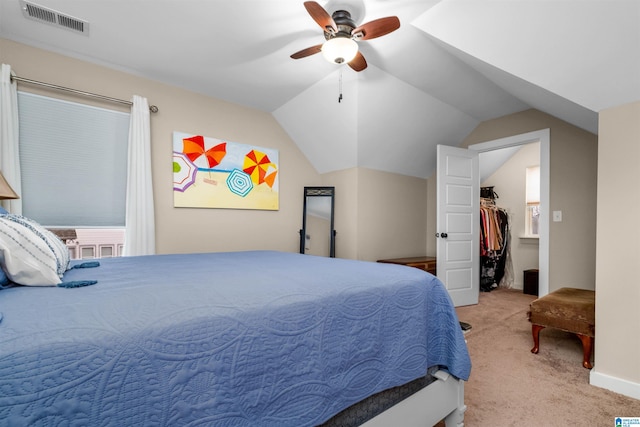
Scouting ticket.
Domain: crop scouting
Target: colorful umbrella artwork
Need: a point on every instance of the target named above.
(258, 166)
(194, 149)
(184, 172)
(239, 183)
(216, 173)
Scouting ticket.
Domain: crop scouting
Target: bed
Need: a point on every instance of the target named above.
(256, 338)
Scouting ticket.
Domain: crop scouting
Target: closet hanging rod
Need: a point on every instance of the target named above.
(152, 108)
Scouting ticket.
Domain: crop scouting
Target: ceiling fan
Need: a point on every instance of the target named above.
(342, 35)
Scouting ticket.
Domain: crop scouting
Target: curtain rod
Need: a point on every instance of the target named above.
(152, 108)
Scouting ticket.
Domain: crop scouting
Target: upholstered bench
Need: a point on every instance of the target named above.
(568, 309)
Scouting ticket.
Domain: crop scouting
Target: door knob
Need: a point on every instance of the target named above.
(444, 235)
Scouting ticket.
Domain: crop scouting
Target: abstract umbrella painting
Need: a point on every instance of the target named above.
(184, 172)
(211, 173)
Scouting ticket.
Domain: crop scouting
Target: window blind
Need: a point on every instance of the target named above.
(74, 162)
(533, 185)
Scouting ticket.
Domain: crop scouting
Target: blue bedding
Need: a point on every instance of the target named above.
(233, 339)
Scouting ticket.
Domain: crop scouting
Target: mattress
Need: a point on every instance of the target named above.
(363, 411)
(234, 339)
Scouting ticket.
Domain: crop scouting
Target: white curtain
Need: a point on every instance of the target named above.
(140, 223)
(9, 138)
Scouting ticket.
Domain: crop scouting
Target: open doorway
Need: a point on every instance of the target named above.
(509, 214)
(542, 137)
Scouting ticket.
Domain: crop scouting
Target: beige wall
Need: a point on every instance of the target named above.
(573, 178)
(617, 344)
(378, 214)
(184, 229)
(392, 215)
(509, 181)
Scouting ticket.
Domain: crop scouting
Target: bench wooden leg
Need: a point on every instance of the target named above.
(535, 331)
(587, 347)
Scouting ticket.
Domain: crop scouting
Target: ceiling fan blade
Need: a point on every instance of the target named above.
(307, 52)
(321, 16)
(358, 63)
(376, 28)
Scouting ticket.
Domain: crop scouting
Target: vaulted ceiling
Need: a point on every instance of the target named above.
(451, 65)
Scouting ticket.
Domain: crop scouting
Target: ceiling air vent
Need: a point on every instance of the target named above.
(44, 14)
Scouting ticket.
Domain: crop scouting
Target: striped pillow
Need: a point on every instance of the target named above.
(29, 253)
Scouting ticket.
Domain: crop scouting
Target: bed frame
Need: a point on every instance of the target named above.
(442, 399)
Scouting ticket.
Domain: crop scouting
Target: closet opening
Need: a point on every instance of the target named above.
(496, 267)
(503, 166)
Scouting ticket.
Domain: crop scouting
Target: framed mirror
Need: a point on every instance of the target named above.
(317, 236)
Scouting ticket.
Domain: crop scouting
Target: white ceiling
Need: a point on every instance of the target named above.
(451, 65)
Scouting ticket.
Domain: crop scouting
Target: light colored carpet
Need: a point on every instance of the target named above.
(510, 386)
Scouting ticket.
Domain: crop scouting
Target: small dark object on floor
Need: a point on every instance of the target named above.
(465, 326)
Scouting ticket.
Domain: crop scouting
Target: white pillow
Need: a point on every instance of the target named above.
(30, 254)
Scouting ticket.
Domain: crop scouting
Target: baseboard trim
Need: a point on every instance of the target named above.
(614, 384)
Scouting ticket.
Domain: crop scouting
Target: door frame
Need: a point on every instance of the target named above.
(543, 136)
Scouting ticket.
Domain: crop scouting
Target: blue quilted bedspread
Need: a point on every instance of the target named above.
(230, 339)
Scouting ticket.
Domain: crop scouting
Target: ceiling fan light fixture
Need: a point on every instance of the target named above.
(339, 50)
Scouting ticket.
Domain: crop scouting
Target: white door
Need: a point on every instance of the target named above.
(458, 223)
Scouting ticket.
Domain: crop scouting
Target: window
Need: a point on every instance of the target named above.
(532, 219)
(73, 160)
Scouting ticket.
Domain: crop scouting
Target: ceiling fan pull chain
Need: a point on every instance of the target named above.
(340, 87)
